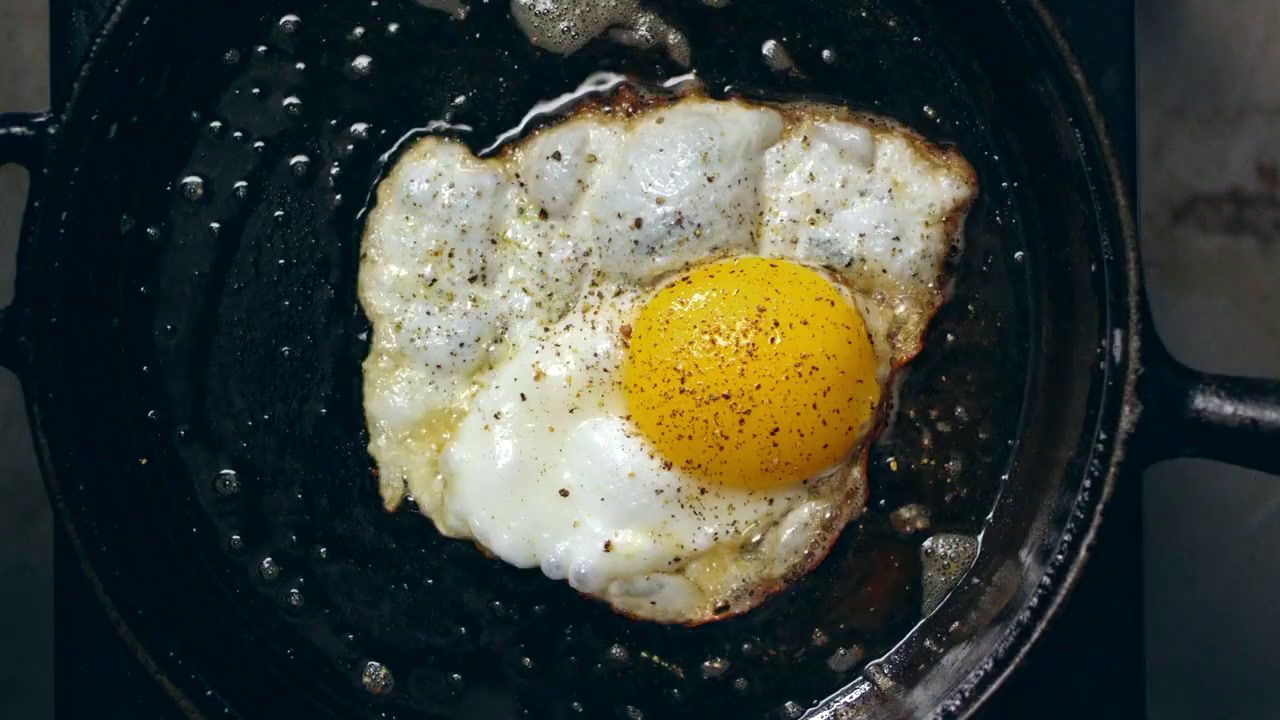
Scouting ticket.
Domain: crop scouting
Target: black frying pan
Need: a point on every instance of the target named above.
(165, 331)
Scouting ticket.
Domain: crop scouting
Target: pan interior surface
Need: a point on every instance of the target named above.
(197, 346)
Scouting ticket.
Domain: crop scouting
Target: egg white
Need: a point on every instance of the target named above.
(498, 290)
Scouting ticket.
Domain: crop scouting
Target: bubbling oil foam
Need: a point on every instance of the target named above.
(946, 557)
(457, 9)
(565, 26)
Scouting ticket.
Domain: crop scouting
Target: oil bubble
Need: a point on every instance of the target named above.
(299, 165)
(269, 569)
(292, 105)
(829, 56)
(618, 655)
(360, 130)
(235, 542)
(844, 659)
(911, 518)
(192, 188)
(377, 678)
(362, 65)
(776, 56)
(818, 638)
(226, 482)
(240, 190)
(294, 598)
(714, 667)
(289, 24)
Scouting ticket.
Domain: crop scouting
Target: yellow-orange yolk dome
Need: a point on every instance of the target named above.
(751, 372)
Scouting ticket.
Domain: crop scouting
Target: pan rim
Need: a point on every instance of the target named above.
(1074, 552)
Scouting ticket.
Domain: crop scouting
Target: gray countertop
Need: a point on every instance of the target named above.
(1209, 159)
(26, 541)
(1209, 149)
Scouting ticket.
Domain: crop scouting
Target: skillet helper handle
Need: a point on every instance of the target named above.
(24, 137)
(1186, 413)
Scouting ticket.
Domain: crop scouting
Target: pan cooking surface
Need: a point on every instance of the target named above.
(243, 339)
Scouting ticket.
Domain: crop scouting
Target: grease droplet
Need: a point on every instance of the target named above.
(268, 568)
(776, 56)
(377, 678)
(714, 667)
(618, 654)
(362, 65)
(192, 187)
(844, 659)
(289, 24)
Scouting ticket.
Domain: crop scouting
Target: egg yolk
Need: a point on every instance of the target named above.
(751, 372)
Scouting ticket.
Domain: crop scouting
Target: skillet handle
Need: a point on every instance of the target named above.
(1186, 413)
(24, 139)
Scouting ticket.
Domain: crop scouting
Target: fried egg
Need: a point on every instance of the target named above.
(644, 349)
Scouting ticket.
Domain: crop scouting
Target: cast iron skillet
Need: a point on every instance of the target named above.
(190, 355)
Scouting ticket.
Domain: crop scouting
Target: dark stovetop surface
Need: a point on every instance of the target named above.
(1090, 661)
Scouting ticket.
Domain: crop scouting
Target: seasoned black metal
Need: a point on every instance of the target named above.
(192, 344)
(24, 138)
(1192, 414)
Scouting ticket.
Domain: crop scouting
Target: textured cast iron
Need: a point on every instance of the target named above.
(169, 331)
